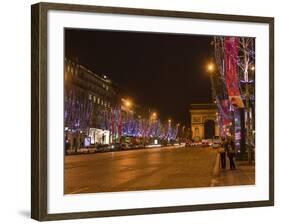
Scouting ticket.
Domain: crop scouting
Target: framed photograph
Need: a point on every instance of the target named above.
(138, 111)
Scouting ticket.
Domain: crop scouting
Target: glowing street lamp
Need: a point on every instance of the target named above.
(210, 67)
(128, 103)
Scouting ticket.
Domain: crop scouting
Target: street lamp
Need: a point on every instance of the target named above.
(210, 67)
(183, 129)
(153, 116)
(128, 103)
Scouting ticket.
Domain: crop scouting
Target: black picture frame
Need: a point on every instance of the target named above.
(39, 107)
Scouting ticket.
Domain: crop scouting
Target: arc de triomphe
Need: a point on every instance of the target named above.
(204, 121)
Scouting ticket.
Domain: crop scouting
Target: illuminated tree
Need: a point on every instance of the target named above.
(246, 77)
(78, 110)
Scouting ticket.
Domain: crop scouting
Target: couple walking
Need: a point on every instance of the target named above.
(227, 148)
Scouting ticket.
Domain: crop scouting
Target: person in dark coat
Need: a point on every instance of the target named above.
(223, 152)
(75, 144)
(230, 149)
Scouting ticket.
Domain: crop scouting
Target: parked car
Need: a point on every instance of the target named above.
(125, 146)
(216, 142)
(188, 143)
(102, 148)
(137, 146)
(205, 142)
(115, 146)
(193, 143)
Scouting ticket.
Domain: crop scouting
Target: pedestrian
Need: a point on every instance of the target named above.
(78, 143)
(222, 152)
(82, 142)
(230, 147)
(75, 144)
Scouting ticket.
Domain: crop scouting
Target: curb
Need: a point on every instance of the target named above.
(216, 170)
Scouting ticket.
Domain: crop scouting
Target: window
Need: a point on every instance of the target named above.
(105, 103)
(98, 100)
(101, 102)
(106, 88)
(90, 96)
(94, 98)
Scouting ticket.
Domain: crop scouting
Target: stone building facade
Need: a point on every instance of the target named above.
(99, 94)
(203, 121)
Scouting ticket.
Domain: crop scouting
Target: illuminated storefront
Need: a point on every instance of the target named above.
(99, 136)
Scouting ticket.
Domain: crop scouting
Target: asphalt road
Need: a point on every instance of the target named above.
(145, 169)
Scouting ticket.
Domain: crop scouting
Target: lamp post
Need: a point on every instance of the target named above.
(211, 69)
(127, 105)
(169, 129)
(183, 132)
(177, 131)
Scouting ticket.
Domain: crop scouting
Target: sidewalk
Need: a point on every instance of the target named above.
(243, 175)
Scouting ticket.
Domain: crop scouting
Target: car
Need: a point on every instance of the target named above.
(102, 148)
(138, 146)
(125, 146)
(188, 143)
(216, 142)
(205, 143)
(115, 146)
(196, 143)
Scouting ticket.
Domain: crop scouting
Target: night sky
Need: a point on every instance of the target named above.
(166, 72)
